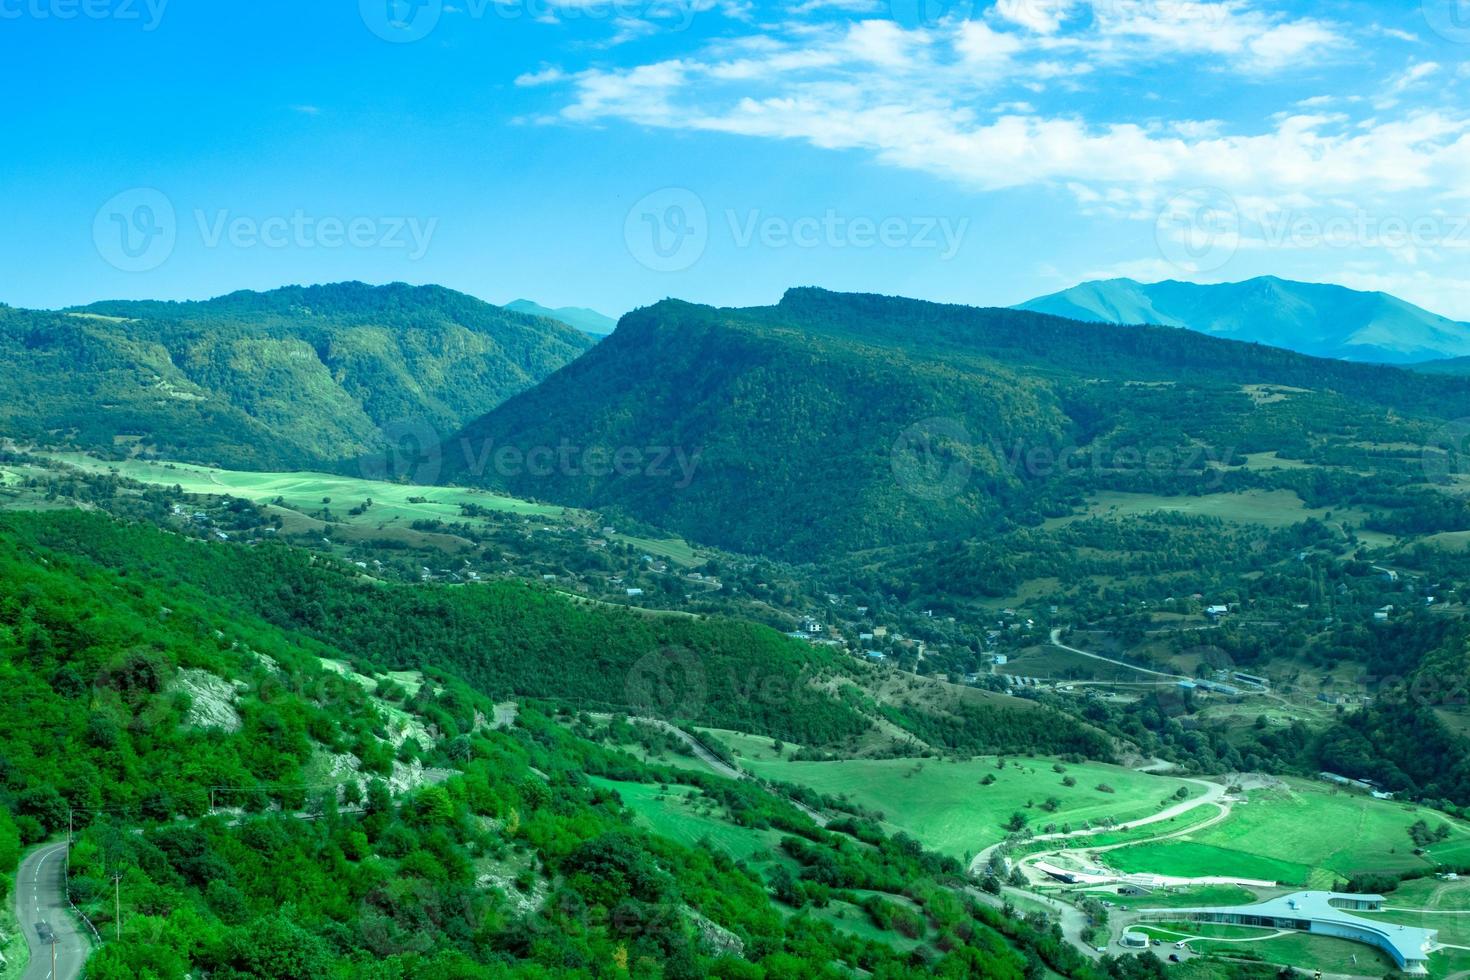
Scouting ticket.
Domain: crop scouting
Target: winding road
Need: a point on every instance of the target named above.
(45, 916)
(1213, 794)
(1056, 641)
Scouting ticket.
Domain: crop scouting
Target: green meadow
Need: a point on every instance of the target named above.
(1302, 833)
(673, 812)
(946, 805)
(306, 490)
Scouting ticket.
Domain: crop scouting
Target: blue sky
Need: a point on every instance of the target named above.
(609, 153)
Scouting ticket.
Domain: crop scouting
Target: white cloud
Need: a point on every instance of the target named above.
(548, 75)
(1041, 16)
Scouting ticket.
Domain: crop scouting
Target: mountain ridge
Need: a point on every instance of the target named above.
(1319, 319)
(586, 320)
(295, 377)
(802, 415)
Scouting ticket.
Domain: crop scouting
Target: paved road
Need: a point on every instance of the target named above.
(1056, 641)
(40, 903)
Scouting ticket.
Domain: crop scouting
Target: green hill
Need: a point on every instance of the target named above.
(835, 423)
(283, 379)
(255, 802)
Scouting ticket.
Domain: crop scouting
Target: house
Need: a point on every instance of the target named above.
(880, 632)
(1215, 612)
(999, 659)
(633, 593)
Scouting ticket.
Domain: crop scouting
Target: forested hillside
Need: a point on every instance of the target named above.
(836, 423)
(258, 798)
(296, 377)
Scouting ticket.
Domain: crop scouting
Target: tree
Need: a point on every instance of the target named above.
(9, 843)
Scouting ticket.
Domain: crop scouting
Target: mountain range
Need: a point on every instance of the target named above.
(291, 378)
(1310, 318)
(585, 320)
(834, 423)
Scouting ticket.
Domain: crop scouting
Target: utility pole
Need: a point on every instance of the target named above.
(53, 954)
(117, 903)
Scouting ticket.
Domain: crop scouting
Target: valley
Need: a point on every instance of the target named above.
(1143, 681)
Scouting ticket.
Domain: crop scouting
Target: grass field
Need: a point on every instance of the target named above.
(674, 549)
(1305, 951)
(944, 804)
(305, 490)
(1268, 508)
(1191, 860)
(1301, 834)
(672, 812)
(1431, 904)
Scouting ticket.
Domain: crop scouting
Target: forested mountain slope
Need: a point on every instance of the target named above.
(290, 378)
(254, 813)
(832, 423)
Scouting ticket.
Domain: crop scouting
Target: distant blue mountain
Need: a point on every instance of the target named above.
(1310, 318)
(581, 318)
